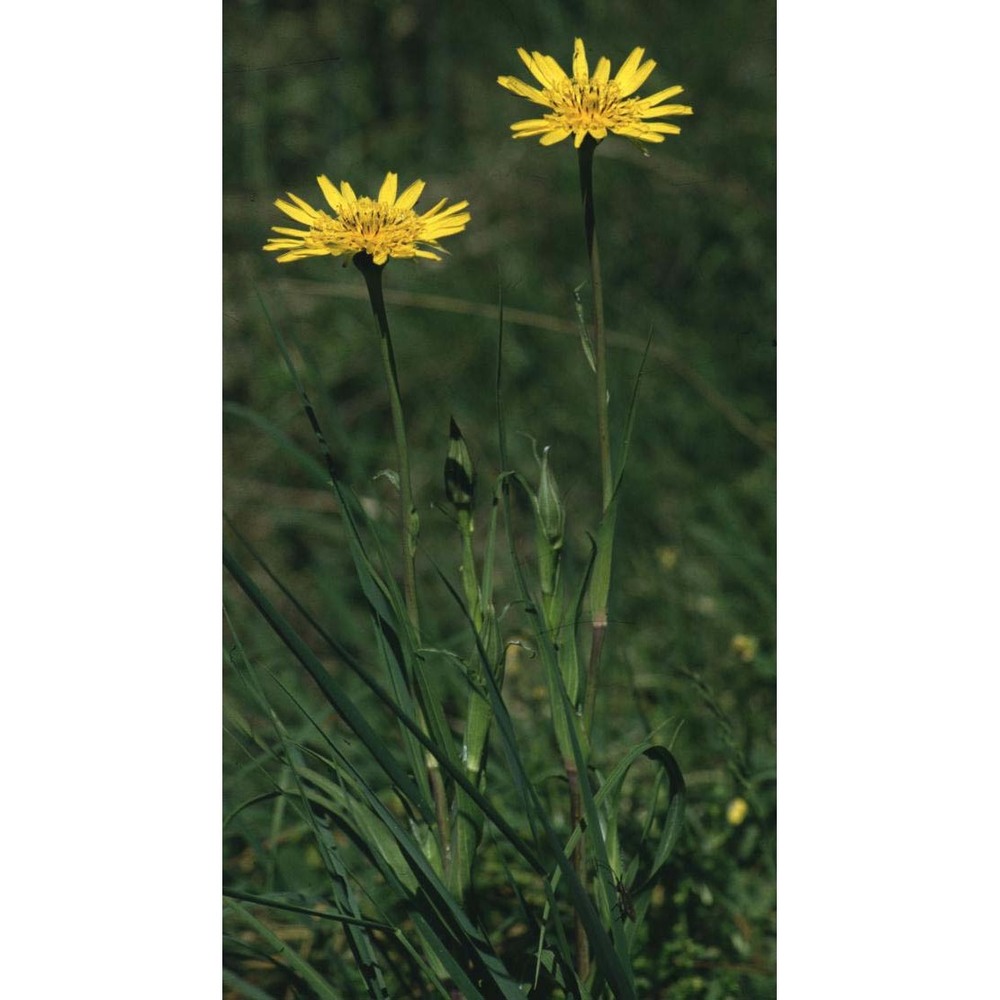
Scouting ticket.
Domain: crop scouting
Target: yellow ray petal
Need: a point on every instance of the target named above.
(433, 211)
(332, 195)
(629, 67)
(555, 72)
(330, 192)
(660, 95)
(536, 66)
(632, 76)
(294, 212)
(668, 109)
(667, 128)
(409, 197)
(527, 129)
(304, 205)
(580, 71)
(556, 134)
(522, 89)
(387, 192)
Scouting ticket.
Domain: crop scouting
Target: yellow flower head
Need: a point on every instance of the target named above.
(744, 646)
(668, 556)
(383, 227)
(737, 811)
(585, 104)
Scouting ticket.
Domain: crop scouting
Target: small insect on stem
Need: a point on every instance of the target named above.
(624, 905)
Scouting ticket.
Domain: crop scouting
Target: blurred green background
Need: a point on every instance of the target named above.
(687, 231)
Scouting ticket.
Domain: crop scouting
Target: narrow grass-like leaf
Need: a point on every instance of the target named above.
(287, 955)
(614, 964)
(673, 822)
(444, 956)
(286, 444)
(607, 957)
(450, 913)
(395, 668)
(343, 895)
(379, 590)
(443, 911)
(612, 961)
(443, 935)
(630, 414)
(246, 991)
(344, 898)
(454, 771)
(256, 800)
(334, 916)
(353, 816)
(344, 706)
(433, 709)
(395, 644)
(588, 347)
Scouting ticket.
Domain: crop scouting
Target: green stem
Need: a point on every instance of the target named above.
(601, 579)
(581, 946)
(598, 596)
(469, 582)
(409, 517)
(586, 155)
(593, 665)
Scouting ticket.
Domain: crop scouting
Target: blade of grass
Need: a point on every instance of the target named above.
(289, 907)
(343, 895)
(288, 956)
(342, 704)
(286, 444)
(458, 976)
(246, 991)
(454, 771)
(446, 924)
(613, 962)
(673, 823)
(607, 958)
(443, 912)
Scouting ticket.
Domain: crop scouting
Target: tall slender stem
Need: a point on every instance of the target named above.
(599, 582)
(409, 517)
(586, 155)
(601, 577)
(581, 945)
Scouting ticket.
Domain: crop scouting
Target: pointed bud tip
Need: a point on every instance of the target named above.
(459, 471)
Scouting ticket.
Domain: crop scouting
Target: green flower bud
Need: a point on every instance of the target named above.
(548, 506)
(459, 472)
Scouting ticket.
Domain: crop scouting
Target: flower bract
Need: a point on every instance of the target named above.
(593, 104)
(383, 227)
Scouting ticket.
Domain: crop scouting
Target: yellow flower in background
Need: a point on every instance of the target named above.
(383, 227)
(744, 646)
(667, 556)
(736, 811)
(585, 104)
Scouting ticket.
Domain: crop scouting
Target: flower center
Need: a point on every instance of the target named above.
(371, 218)
(587, 104)
(368, 225)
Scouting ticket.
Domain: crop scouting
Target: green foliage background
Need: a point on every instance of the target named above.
(687, 240)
